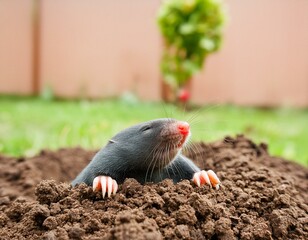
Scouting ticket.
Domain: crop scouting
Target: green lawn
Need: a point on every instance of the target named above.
(30, 124)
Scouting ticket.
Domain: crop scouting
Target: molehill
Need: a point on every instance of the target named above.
(262, 197)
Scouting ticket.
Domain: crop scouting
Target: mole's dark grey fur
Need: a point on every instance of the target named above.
(148, 152)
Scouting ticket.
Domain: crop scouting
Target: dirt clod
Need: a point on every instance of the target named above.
(261, 197)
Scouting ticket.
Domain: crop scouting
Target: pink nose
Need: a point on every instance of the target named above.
(183, 128)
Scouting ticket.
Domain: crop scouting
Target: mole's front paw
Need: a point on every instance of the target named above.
(206, 177)
(106, 184)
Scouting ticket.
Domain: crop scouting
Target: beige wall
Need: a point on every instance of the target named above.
(100, 48)
(264, 59)
(15, 46)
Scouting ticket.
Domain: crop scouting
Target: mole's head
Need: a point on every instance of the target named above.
(151, 144)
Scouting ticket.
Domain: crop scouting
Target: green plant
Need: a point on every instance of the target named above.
(191, 30)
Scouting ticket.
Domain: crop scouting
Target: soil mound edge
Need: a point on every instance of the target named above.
(262, 197)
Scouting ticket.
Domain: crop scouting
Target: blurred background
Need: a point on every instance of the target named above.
(257, 83)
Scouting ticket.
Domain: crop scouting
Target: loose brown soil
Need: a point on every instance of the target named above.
(262, 197)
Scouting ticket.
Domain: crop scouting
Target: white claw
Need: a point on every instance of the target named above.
(206, 178)
(214, 179)
(115, 187)
(109, 186)
(196, 178)
(104, 185)
(96, 183)
(213, 175)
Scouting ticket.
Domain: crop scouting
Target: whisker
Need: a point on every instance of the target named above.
(152, 153)
(169, 161)
(155, 157)
(176, 168)
(191, 147)
(198, 112)
(165, 110)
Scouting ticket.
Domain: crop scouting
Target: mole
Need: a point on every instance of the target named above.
(147, 152)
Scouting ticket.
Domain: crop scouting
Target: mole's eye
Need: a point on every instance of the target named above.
(145, 128)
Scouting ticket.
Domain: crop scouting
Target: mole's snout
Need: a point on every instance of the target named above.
(175, 133)
(183, 128)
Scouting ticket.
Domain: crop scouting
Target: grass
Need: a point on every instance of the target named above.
(28, 125)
